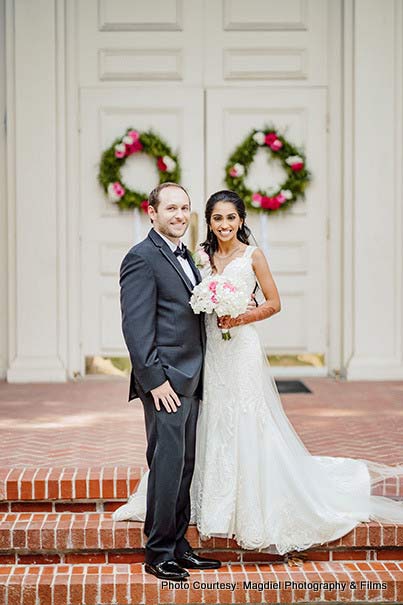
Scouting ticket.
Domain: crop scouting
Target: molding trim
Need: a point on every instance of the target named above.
(176, 24)
(230, 24)
(231, 55)
(169, 57)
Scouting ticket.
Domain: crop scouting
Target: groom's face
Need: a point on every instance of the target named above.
(172, 215)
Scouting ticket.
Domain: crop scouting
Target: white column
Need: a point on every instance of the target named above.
(373, 193)
(37, 341)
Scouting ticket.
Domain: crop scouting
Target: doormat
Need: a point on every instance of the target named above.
(292, 386)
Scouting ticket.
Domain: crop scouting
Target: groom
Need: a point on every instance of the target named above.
(165, 340)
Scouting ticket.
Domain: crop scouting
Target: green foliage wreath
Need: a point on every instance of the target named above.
(278, 198)
(114, 157)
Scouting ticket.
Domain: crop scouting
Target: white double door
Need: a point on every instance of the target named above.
(204, 126)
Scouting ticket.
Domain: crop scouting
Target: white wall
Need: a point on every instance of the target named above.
(3, 205)
(36, 166)
(372, 196)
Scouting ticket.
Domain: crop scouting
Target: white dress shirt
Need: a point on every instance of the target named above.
(183, 261)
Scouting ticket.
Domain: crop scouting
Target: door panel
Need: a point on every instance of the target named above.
(295, 243)
(106, 232)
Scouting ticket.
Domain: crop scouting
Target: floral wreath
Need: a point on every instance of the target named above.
(114, 157)
(277, 198)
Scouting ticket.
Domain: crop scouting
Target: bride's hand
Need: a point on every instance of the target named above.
(226, 322)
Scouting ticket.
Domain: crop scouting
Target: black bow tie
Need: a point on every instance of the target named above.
(181, 251)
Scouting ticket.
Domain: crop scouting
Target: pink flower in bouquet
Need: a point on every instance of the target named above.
(161, 165)
(270, 138)
(214, 299)
(213, 286)
(229, 287)
(276, 145)
(144, 206)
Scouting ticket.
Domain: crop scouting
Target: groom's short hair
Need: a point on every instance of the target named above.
(153, 198)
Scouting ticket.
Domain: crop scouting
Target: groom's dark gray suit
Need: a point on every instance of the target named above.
(166, 341)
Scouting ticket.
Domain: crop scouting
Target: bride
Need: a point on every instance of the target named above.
(254, 480)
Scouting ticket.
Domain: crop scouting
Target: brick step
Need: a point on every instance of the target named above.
(89, 488)
(50, 538)
(49, 485)
(123, 584)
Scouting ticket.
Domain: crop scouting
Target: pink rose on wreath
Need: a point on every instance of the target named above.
(295, 162)
(256, 200)
(281, 198)
(161, 165)
(265, 202)
(270, 138)
(134, 147)
(276, 145)
(270, 203)
(119, 190)
(120, 150)
(144, 206)
(274, 203)
(134, 135)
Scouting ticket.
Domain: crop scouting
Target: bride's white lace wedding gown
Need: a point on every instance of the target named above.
(254, 480)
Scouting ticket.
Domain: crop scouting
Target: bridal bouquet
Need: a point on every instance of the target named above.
(220, 295)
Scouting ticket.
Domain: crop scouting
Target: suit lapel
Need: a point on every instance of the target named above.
(171, 258)
(195, 270)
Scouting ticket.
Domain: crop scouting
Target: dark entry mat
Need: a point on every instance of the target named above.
(292, 386)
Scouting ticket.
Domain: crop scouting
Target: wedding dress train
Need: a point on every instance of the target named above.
(254, 479)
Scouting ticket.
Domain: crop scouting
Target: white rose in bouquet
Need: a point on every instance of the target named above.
(220, 295)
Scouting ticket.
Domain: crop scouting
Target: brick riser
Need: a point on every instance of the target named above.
(28, 538)
(127, 584)
(97, 483)
(226, 556)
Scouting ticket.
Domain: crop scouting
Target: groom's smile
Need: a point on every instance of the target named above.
(172, 214)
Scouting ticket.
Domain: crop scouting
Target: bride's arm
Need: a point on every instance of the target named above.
(272, 303)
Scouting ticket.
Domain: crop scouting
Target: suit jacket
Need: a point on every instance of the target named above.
(165, 339)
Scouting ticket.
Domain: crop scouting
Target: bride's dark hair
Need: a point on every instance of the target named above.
(210, 244)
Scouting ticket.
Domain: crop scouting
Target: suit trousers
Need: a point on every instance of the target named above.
(171, 441)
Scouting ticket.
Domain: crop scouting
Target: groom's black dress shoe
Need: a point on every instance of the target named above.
(167, 570)
(191, 560)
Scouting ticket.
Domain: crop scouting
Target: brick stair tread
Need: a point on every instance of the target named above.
(47, 532)
(80, 483)
(64, 483)
(123, 584)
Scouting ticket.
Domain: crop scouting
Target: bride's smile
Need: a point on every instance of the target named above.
(225, 223)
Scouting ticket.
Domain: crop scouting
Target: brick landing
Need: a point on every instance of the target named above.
(90, 423)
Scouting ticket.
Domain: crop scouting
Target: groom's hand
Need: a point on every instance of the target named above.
(167, 396)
